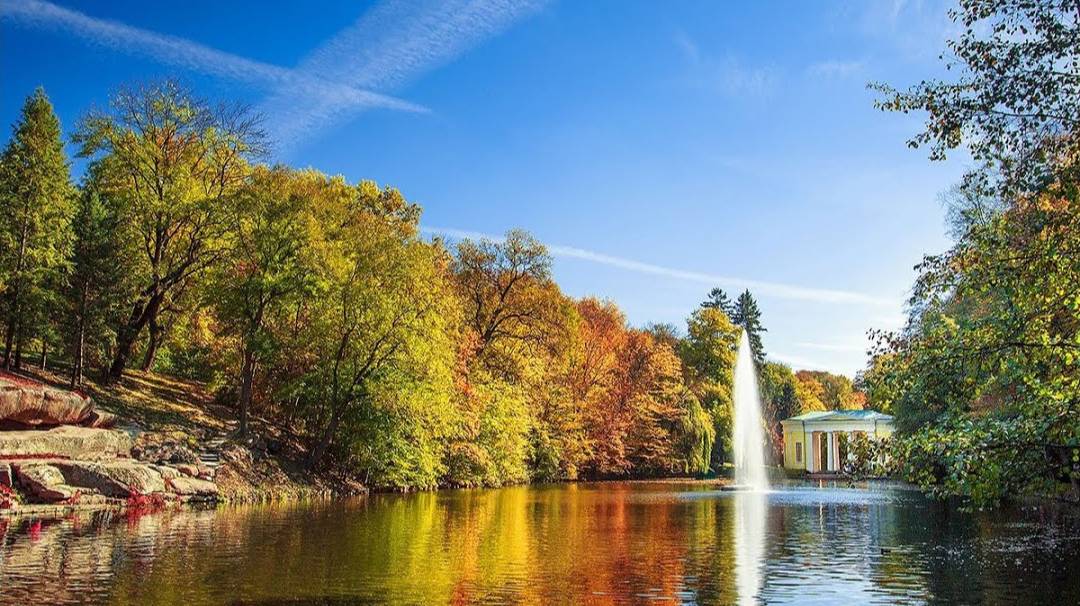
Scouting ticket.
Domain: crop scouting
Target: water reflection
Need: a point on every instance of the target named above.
(751, 514)
(598, 543)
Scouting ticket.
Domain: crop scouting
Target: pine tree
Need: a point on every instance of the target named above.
(718, 299)
(96, 288)
(35, 224)
(747, 315)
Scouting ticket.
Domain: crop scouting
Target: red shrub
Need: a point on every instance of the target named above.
(144, 503)
(7, 497)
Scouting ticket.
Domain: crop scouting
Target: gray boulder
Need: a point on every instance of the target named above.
(43, 481)
(66, 441)
(193, 487)
(114, 478)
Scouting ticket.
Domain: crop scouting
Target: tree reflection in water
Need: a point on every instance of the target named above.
(576, 543)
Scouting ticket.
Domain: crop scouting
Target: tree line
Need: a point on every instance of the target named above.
(312, 303)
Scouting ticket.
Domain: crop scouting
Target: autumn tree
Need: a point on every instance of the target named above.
(35, 226)
(175, 162)
(503, 286)
(667, 427)
(809, 392)
(595, 380)
(268, 262)
(380, 314)
(835, 392)
(520, 329)
(640, 418)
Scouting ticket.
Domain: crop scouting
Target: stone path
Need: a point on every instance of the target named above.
(210, 455)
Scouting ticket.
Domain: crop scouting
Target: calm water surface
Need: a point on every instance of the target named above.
(581, 543)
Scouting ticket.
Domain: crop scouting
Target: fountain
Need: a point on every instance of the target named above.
(748, 437)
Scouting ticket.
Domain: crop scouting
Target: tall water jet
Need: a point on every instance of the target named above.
(749, 439)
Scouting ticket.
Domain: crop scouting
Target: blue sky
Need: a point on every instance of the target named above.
(657, 147)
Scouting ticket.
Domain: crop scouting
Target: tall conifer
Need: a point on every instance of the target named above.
(36, 199)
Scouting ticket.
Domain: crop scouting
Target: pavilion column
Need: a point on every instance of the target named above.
(809, 438)
(830, 452)
(836, 452)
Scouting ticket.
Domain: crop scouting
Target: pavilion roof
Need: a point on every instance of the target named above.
(842, 415)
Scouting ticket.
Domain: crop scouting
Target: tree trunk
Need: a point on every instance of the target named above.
(141, 314)
(319, 451)
(153, 342)
(80, 340)
(77, 356)
(44, 351)
(9, 342)
(247, 377)
(13, 312)
(18, 347)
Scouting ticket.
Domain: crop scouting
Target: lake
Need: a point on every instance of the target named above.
(635, 542)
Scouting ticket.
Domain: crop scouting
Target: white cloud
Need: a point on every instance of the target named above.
(729, 74)
(834, 68)
(389, 46)
(738, 79)
(762, 288)
(186, 54)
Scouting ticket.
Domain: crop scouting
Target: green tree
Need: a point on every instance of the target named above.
(35, 225)
(1015, 96)
(97, 287)
(747, 315)
(718, 299)
(708, 356)
(267, 265)
(780, 401)
(380, 318)
(983, 379)
(174, 161)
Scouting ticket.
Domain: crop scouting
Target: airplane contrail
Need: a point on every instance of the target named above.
(774, 289)
(392, 44)
(179, 52)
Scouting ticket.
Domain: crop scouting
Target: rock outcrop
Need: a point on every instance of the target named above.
(33, 404)
(61, 451)
(116, 479)
(55, 480)
(43, 481)
(66, 441)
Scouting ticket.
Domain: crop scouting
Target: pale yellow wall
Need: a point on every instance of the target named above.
(793, 434)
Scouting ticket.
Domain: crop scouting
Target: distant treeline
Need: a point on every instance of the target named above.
(314, 304)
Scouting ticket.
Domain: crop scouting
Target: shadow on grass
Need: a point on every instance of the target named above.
(147, 399)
